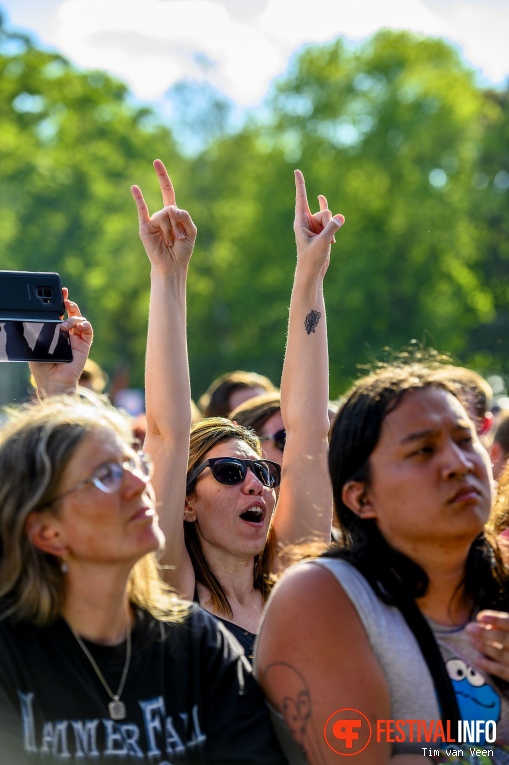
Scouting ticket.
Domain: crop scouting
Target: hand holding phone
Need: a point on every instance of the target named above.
(30, 340)
(31, 311)
(31, 296)
(54, 378)
(32, 306)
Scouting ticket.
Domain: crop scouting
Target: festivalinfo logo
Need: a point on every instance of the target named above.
(348, 732)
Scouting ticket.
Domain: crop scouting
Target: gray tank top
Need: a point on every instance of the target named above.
(410, 684)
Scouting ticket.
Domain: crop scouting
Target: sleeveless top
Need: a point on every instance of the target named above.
(244, 637)
(410, 684)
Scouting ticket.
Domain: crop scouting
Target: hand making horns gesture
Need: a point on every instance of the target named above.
(169, 234)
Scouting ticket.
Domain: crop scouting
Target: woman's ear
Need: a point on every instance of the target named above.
(42, 530)
(189, 512)
(355, 496)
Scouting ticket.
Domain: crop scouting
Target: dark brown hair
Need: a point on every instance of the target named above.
(215, 402)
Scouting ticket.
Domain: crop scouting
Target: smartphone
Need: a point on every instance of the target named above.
(31, 296)
(34, 341)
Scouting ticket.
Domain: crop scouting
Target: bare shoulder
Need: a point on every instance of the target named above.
(307, 607)
(313, 657)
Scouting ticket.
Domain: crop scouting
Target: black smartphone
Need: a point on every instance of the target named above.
(31, 310)
(34, 341)
(31, 296)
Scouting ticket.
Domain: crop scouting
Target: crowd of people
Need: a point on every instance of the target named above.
(150, 608)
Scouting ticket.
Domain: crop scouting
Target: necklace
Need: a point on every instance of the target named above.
(116, 707)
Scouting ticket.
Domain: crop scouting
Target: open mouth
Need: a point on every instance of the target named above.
(253, 515)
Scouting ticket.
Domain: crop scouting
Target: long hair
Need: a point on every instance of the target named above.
(354, 436)
(204, 436)
(36, 445)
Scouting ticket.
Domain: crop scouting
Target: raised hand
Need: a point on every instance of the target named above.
(169, 234)
(61, 378)
(314, 233)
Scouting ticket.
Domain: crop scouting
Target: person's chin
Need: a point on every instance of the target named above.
(151, 540)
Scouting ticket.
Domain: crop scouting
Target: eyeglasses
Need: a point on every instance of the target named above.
(279, 439)
(108, 476)
(231, 471)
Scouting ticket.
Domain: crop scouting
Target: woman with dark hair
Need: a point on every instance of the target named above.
(401, 621)
(222, 487)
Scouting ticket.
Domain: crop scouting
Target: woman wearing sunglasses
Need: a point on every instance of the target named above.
(99, 662)
(223, 533)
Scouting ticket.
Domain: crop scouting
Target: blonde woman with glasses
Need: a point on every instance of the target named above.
(99, 661)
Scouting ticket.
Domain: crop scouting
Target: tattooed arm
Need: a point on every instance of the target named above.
(315, 664)
(304, 509)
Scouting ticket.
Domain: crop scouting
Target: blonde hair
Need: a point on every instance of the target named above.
(204, 435)
(36, 445)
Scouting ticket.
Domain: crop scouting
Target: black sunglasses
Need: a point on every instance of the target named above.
(232, 470)
(279, 439)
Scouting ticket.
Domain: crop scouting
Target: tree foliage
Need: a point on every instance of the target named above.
(72, 146)
(395, 132)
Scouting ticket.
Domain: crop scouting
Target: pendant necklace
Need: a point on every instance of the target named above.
(116, 706)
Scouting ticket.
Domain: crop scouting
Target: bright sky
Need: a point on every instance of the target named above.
(239, 46)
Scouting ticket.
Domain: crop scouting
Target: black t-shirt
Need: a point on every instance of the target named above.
(190, 697)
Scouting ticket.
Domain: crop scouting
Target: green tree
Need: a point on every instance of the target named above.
(72, 144)
(391, 131)
(394, 131)
(488, 343)
(393, 128)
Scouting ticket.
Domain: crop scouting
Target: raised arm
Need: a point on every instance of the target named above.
(52, 379)
(168, 237)
(304, 509)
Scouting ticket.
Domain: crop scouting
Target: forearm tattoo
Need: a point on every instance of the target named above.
(294, 703)
(311, 321)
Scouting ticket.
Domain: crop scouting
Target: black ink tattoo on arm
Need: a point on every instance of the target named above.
(311, 321)
(294, 703)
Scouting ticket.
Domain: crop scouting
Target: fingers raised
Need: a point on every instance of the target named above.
(301, 199)
(143, 216)
(165, 183)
